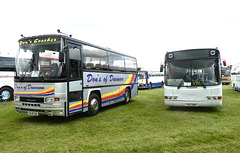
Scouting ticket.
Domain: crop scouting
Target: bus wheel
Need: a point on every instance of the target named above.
(127, 96)
(234, 87)
(150, 86)
(7, 90)
(93, 104)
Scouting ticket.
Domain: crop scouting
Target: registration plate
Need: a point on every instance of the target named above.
(32, 113)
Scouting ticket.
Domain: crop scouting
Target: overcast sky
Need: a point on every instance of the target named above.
(144, 29)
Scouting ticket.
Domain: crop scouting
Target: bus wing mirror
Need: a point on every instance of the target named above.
(61, 57)
(224, 63)
(161, 68)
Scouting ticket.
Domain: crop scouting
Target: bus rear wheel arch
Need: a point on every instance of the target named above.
(94, 104)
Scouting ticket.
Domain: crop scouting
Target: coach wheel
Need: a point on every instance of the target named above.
(7, 90)
(93, 104)
(234, 87)
(150, 85)
(127, 96)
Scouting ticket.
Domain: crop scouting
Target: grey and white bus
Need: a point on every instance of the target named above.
(193, 78)
(57, 75)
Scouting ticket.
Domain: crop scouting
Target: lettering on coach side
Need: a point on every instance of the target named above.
(28, 87)
(111, 78)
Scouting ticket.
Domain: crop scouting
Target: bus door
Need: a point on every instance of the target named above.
(75, 80)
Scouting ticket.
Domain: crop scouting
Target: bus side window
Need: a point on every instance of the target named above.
(116, 62)
(130, 64)
(94, 58)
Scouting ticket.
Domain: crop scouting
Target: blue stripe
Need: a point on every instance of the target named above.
(238, 89)
(76, 109)
(134, 82)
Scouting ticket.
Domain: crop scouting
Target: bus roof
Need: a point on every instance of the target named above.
(192, 54)
(194, 49)
(74, 40)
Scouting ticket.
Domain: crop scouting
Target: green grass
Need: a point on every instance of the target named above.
(144, 125)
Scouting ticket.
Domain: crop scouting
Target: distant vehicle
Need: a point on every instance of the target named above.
(226, 75)
(57, 75)
(235, 77)
(150, 79)
(193, 78)
(7, 72)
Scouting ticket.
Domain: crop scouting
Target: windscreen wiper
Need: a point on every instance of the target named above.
(204, 86)
(42, 78)
(24, 71)
(182, 81)
(180, 84)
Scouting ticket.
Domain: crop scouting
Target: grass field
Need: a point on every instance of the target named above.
(144, 125)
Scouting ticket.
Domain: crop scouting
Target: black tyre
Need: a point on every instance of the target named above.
(9, 91)
(127, 96)
(93, 104)
(234, 87)
(150, 85)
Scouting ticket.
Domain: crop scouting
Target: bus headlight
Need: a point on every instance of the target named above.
(17, 98)
(49, 100)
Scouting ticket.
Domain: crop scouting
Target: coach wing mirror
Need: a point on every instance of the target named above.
(61, 57)
(161, 68)
(61, 53)
(224, 63)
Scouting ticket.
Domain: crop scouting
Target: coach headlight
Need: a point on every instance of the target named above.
(17, 98)
(49, 100)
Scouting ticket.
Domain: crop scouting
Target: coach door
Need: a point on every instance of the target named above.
(75, 79)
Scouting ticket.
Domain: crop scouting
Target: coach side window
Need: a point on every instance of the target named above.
(94, 58)
(131, 64)
(116, 62)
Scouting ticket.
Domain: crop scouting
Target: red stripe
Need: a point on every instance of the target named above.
(133, 77)
(80, 105)
(76, 106)
(38, 93)
(42, 93)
